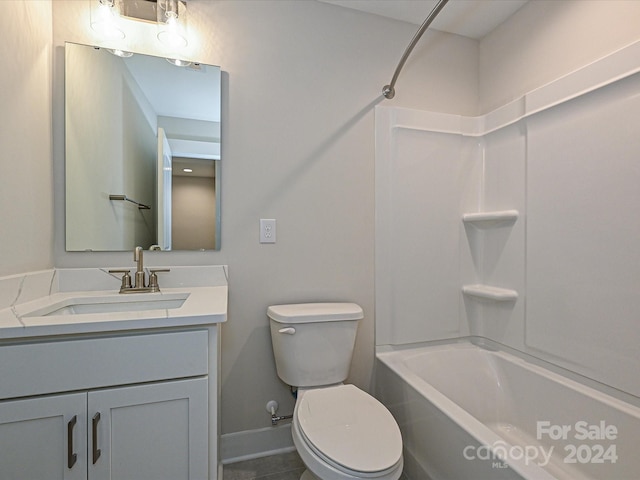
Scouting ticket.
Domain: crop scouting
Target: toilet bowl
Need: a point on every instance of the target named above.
(339, 431)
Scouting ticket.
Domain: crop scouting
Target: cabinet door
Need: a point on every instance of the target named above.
(153, 431)
(44, 438)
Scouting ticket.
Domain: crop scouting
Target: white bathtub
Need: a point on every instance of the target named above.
(468, 413)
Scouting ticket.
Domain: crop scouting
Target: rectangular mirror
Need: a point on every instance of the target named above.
(142, 152)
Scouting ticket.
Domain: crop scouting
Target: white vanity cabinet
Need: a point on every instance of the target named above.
(119, 406)
(149, 432)
(33, 438)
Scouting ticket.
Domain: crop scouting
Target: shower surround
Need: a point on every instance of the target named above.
(520, 226)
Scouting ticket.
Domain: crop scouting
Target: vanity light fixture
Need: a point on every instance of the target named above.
(110, 19)
(172, 23)
(105, 19)
(187, 170)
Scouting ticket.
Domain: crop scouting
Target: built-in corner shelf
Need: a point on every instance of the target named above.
(490, 219)
(488, 292)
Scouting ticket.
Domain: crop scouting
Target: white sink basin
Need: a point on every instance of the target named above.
(111, 304)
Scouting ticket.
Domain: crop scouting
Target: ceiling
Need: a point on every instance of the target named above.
(471, 18)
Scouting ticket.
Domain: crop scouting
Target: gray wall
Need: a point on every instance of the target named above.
(298, 146)
(193, 212)
(26, 186)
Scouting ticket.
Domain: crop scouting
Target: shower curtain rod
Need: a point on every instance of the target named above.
(388, 90)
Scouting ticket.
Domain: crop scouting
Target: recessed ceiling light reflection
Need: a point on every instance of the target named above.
(121, 53)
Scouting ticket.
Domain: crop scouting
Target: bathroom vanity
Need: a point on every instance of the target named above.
(98, 385)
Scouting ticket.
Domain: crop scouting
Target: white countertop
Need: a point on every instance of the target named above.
(204, 305)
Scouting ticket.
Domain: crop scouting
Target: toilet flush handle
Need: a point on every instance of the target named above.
(287, 330)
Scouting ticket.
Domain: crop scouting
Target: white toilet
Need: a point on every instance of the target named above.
(340, 431)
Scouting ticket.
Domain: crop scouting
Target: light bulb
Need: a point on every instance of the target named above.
(172, 21)
(104, 19)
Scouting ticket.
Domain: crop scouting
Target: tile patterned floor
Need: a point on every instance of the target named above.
(286, 466)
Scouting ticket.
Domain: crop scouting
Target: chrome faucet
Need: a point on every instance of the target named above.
(140, 284)
(140, 275)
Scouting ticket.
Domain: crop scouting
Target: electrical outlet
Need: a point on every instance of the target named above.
(267, 230)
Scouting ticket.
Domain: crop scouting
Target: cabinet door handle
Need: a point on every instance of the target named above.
(94, 437)
(71, 457)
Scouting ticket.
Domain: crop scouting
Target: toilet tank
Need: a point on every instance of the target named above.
(313, 342)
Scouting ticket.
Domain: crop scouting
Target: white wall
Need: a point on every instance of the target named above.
(572, 255)
(26, 187)
(100, 160)
(572, 171)
(565, 157)
(547, 39)
(422, 178)
(583, 255)
(300, 80)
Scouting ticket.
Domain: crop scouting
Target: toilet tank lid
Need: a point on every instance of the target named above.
(315, 312)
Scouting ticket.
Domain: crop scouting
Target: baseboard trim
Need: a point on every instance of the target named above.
(250, 444)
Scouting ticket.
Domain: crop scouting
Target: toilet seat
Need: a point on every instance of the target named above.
(350, 430)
